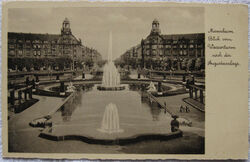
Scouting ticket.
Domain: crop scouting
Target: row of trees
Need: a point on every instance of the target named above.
(62, 63)
(30, 64)
(185, 64)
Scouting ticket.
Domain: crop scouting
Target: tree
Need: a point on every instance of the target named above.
(198, 64)
(20, 64)
(175, 64)
(184, 64)
(12, 63)
(190, 64)
(89, 63)
(101, 63)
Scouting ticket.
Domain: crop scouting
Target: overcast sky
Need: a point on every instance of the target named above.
(92, 25)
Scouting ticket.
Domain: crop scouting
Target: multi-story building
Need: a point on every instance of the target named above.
(133, 56)
(90, 54)
(50, 46)
(176, 51)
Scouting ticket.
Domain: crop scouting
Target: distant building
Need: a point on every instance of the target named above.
(90, 54)
(175, 51)
(38, 46)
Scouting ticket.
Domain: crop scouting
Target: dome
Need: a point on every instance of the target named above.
(66, 20)
(156, 21)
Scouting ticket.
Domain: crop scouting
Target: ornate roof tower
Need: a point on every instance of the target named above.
(66, 27)
(155, 27)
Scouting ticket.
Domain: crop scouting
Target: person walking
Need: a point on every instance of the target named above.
(174, 124)
(165, 108)
(181, 108)
(187, 109)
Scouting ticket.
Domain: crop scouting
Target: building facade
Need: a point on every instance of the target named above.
(90, 54)
(163, 52)
(47, 46)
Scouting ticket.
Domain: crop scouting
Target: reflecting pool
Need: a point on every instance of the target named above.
(84, 114)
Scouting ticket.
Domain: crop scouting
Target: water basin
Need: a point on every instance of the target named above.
(83, 115)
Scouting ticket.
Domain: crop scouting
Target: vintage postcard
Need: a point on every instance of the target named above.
(115, 80)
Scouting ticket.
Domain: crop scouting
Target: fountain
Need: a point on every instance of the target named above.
(111, 77)
(110, 121)
(84, 118)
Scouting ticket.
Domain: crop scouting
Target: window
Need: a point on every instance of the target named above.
(20, 52)
(34, 53)
(65, 52)
(27, 53)
(54, 47)
(11, 46)
(12, 52)
(200, 46)
(45, 52)
(160, 52)
(20, 46)
(12, 40)
(153, 52)
(45, 46)
(168, 46)
(191, 53)
(154, 47)
(191, 46)
(27, 46)
(20, 41)
(66, 41)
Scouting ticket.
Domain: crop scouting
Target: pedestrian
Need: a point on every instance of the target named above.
(27, 81)
(33, 83)
(174, 124)
(165, 108)
(187, 109)
(187, 83)
(181, 108)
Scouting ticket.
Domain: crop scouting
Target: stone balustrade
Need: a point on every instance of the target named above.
(22, 94)
(196, 93)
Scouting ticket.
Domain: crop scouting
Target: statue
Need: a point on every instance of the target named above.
(151, 87)
(71, 88)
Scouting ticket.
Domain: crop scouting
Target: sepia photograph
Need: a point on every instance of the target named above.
(106, 80)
